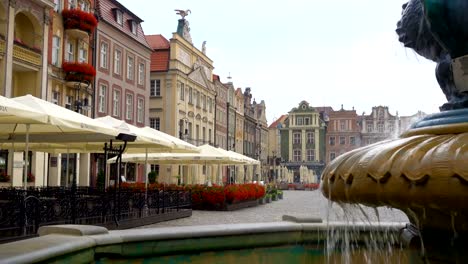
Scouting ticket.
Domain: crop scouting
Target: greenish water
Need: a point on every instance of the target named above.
(273, 255)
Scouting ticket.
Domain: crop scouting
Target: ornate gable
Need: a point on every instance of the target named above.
(198, 75)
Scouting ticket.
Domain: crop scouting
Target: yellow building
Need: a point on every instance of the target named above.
(24, 39)
(182, 97)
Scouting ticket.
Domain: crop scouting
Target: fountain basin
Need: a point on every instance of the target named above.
(424, 173)
(278, 242)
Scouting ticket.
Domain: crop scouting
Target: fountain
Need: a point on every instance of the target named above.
(424, 172)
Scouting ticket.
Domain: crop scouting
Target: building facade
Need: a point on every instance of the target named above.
(378, 126)
(274, 146)
(186, 104)
(303, 140)
(24, 65)
(407, 121)
(122, 83)
(343, 133)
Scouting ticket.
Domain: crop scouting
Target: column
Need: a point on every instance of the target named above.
(317, 145)
(83, 177)
(9, 49)
(303, 145)
(45, 52)
(55, 167)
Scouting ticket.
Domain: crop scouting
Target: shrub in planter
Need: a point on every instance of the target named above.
(101, 180)
(268, 198)
(280, 194)
(152, 176)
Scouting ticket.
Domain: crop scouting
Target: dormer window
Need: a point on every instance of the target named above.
(133, 27)
(118, 16)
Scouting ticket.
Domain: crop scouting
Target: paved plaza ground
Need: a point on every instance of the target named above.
(309, 203)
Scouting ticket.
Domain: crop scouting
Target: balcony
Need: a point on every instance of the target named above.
(24, 53)
(78, 23)
(78, 75)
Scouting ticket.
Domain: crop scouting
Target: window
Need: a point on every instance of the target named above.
(380, 127)
(102, 98)
(82, 55)
(155, 123)
(116, 103)
(155, 88)
(297, 138)
(342, 140)
(197, 132)
(119, 17)
(134, 27)
(332, 156)
(311, 155)
(306, 121)
(129, 107)
(369, 127)
(390, 127)
(209, 135)
(342, 125)
(190, 95)
(71, 4)
(310, 138)
(141, 74)
(56, 98)
(58, 5)
(210, 105)
(352, 141)
(181, 89)
(68, 102)
(332, 141)
(155, 168)
(197, 98)
(117, 62)
(297, 155)
(84, 5)
(140, 110)
(204, 101)
(369, 141)
(130, 68)
(299, 121)
(204, 134)
(104, 49)
(55, 50)
(69, 52)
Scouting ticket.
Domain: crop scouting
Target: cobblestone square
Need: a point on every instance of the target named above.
(310, 203)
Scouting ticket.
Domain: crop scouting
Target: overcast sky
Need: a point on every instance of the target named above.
(327, 52)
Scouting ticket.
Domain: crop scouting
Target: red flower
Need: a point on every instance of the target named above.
(78, 19)
(78, 71)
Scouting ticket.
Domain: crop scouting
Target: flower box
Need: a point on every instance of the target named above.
(274, 197)
(79, 19)
(78, 72)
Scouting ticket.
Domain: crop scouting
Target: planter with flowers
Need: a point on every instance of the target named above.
(78, 74)
(79, 23)
(311, 186)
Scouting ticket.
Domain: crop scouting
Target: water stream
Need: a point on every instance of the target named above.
(360, 234)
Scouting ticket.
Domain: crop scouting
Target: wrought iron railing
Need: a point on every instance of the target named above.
(23, 212)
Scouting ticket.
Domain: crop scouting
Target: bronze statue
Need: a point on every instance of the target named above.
(183, 13)
(437, 31)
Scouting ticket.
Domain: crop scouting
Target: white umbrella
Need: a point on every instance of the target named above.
(13, 115)
(61, 126)
(207, 155)
(181, 146)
